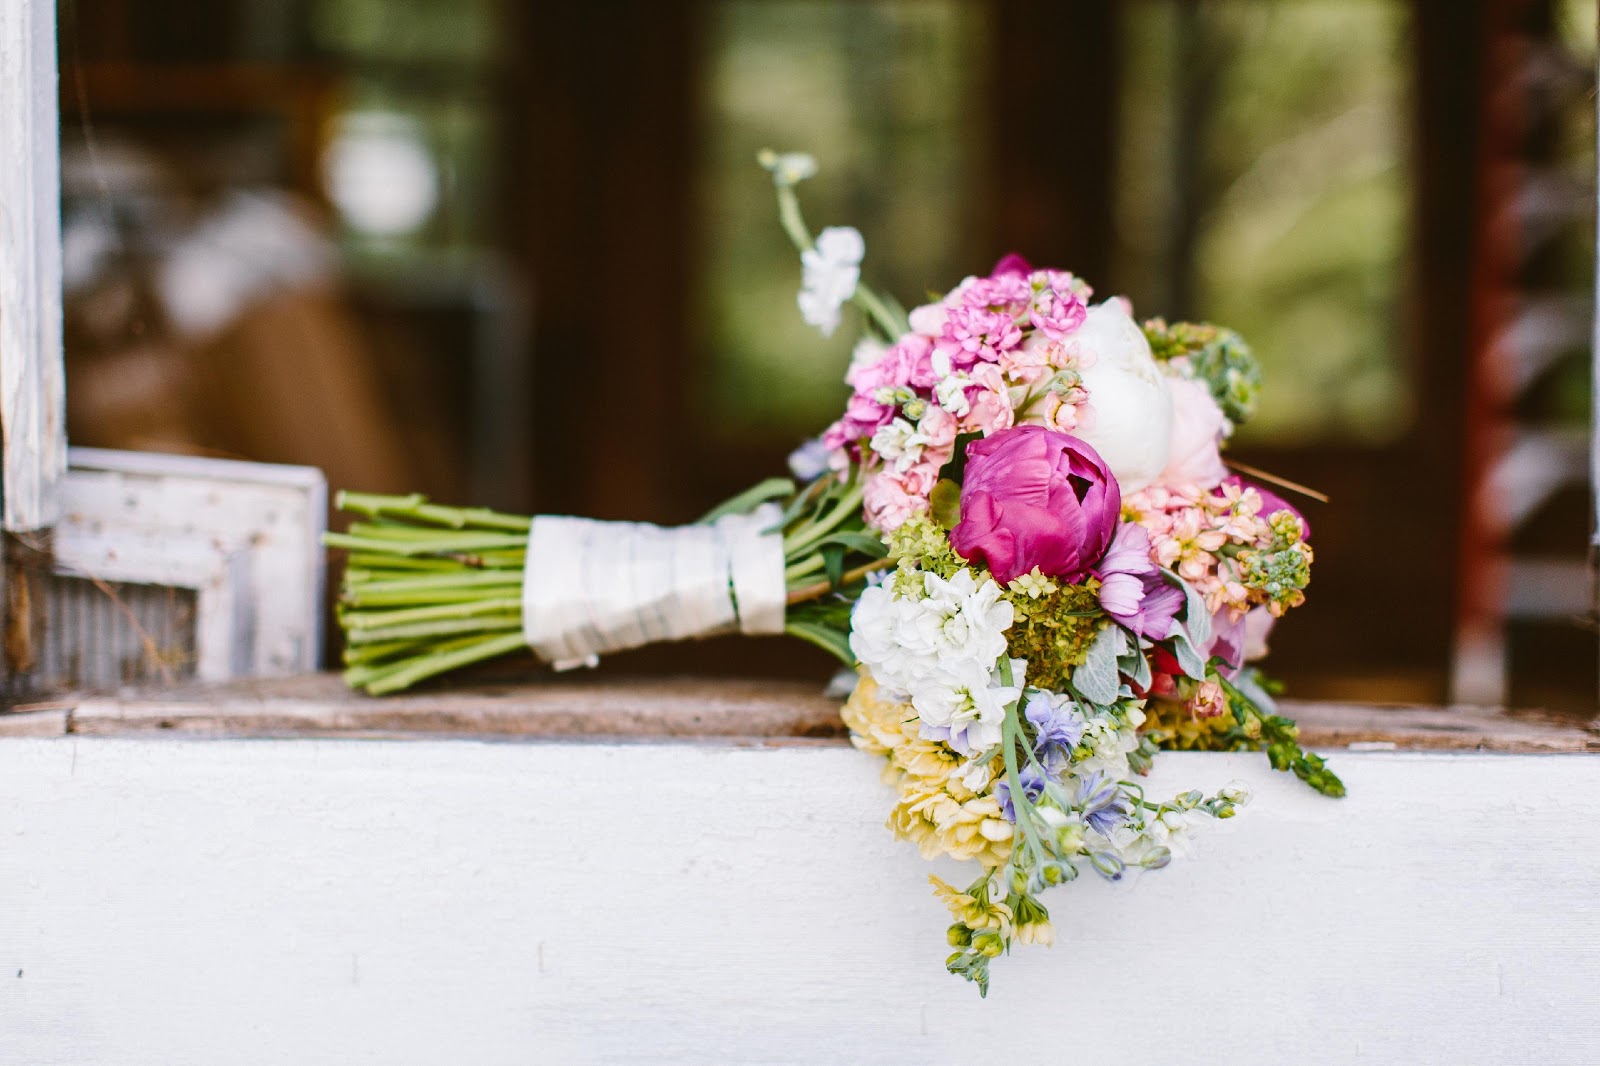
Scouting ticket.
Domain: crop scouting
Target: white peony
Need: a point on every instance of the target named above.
(1130, 407)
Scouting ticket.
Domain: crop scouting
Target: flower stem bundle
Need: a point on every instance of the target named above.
(430, 589)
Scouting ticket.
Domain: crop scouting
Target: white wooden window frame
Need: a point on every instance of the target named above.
(245, 536)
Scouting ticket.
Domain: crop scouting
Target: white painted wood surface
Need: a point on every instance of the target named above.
(200, 902)
(247, 536)
(32, 394)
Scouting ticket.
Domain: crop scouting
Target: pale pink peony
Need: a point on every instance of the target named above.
(1198, 429)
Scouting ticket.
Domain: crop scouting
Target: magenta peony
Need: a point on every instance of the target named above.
(1033, 497)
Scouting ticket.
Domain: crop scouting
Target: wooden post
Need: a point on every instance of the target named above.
(32, 394)
(1594, 386)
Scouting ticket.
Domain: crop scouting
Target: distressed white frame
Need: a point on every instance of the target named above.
(245, 536)
(32, 380)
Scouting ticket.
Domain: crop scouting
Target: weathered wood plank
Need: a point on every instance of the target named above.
(32, 389)
(319, 704)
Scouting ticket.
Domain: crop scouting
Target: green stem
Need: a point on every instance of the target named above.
(794, 224)
(847, 506)
(443, 662)
(372, 619)
(804, 568)
(425, 630)
(879, 314)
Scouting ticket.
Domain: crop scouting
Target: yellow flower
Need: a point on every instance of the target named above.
(935, 810)
(1040, 932)
(970, 911)
(875, 724)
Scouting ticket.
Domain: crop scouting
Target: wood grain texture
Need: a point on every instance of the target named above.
(243, 902)
(32, 389)
(319, 704)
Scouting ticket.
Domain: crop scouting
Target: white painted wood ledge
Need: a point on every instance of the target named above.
(273, 873)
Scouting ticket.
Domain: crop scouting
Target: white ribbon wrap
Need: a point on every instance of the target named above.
(591, 588)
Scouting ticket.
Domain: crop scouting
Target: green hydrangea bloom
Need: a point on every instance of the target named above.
(1054, 631)
(1220, 358)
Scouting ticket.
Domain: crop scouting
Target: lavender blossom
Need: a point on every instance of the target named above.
(1058, 729)
(1132, 588)
(1032, 788)
(1105, 805)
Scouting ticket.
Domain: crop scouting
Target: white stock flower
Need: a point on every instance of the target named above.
(873, 623)
(939, 650)
(1130, 420)
(968, 703)
(830, 272)
(960, 623)
(976, 775)
(898, 444)
(951, 393)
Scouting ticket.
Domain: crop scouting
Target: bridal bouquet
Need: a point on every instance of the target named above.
(1020, 534)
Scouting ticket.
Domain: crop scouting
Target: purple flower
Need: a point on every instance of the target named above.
(1105, 805)
(1227, 641)
(1033, 497)
(1032, 788)
(1058, 729)
(1133, 589)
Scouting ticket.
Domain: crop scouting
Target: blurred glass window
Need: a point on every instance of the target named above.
(1263, 184)
(889, 97)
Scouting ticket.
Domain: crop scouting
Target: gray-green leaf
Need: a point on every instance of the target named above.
(1096, 678)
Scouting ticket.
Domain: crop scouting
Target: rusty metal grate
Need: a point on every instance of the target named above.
(101, 635)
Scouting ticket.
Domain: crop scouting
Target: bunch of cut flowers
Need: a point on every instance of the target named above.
(1021, 535)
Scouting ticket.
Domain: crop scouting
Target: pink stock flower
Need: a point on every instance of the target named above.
(989, 402)
(1035, 498)
(863, 416)
(1059, 413)
(972, 334)
(1198, 427)
(1007, 293)
(1035, 358)
(937, 431)
(928, 320)
(1271, 502)
(1057, 309)
(1132, 588)
(888, 503)
(1209, 700)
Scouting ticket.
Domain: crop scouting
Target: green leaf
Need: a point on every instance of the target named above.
(868, 544)
(1249, 685)
(771, 489)
(1096, 678)
(1195, 614)
(1136, 667)
(956, 469)
(833, 563)
(829, 639)
(945, 503)
(1188, 659)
